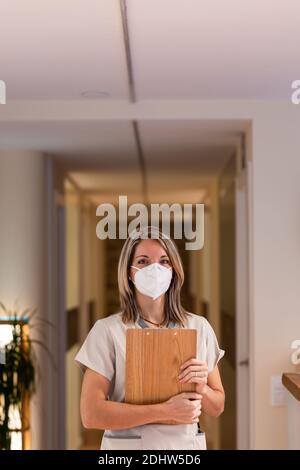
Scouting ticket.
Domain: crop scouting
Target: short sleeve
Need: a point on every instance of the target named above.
(214, 352)
(98, 352)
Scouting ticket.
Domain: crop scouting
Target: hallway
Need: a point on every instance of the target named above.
(92, 263)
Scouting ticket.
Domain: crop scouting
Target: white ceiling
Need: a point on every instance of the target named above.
(52, 51)
(192, 49)
(213, 49)
(57, 49)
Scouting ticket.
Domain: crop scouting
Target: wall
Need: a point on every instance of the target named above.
(23, 265)
(276, 269)
(275, 254)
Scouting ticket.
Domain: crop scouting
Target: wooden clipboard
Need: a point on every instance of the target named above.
(153, 359)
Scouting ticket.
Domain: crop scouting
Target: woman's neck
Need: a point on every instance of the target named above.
(152, 310)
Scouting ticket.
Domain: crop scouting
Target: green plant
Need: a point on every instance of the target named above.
(19, 372)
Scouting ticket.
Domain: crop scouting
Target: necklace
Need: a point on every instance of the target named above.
(159, 325)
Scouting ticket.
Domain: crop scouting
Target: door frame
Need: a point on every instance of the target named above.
(244, 293)
(55, 309)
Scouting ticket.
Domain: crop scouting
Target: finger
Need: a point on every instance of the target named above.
(193, 373)
(195, 368)
(197, 411)
(195, 403)
(193, 361)
(192, 395)
(196, 380)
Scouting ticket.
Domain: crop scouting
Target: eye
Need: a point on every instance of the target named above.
(165, 261)
(142, 261)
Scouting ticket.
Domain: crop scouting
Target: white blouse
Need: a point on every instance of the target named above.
(104, 352)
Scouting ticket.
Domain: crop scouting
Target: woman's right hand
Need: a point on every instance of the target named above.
(184, 408)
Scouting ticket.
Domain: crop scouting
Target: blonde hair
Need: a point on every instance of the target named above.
(130, 309)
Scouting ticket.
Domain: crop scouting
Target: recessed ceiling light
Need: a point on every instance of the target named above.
(95, 94)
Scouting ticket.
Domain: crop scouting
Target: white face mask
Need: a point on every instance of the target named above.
(153, 280)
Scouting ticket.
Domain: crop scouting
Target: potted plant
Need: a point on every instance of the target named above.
(18, 372)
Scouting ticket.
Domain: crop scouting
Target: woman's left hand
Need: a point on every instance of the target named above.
(194, 371)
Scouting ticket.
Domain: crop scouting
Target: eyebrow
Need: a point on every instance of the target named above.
(145, 256)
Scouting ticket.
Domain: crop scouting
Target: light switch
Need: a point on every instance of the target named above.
(277, 391)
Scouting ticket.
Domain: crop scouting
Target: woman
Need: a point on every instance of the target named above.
(150, 276)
